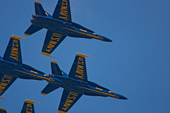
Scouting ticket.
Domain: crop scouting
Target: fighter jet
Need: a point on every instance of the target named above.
(75, 84)
(11, 66)
(59, 26)
(28, 107)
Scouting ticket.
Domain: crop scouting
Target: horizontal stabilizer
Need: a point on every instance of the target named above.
(39, 9)
(2, 110)
(32, 29)
(55, 68)
(49, 88)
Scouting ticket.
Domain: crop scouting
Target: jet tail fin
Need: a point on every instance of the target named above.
(39, 9)
(55, 68)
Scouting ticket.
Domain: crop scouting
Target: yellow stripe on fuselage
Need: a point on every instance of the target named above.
(97, 37)
(112, 95)
(49, 79)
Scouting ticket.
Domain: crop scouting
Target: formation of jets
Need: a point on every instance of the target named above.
(76, 83)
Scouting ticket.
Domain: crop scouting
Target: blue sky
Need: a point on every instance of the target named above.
(136, 64)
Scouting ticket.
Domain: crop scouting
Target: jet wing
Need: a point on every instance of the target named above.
(2, 110)
(69, 98)
(52, 40)
(13, 51)
(5, 82)
(62, 10)
(78, 70)
(28, 106)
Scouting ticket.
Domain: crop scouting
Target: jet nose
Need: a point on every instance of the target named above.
(106, 39)
(121, 97)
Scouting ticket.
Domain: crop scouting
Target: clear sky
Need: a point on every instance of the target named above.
(136, 64)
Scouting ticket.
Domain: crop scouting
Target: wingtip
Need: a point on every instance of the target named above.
(30, 101)
(61, 111)
(43, 94)
(82, 55)
(53, 62)
(17, 37)
(37, 2)
(26, 34)
(47, 54)
(2, 109)
(2, 98)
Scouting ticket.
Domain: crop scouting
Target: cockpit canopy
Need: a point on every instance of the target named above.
(96, 85)
(81, 27)
(31, 68)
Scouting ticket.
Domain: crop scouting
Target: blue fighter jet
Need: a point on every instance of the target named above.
(59, 26)
(11, 66)
(28, 107)
(75, 84)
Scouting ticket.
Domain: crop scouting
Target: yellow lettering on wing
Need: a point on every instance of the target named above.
(54, 39)
(29, 108)
(64, 10)
(14, 50)
(80, 68)
(70, 99)
(5, 81)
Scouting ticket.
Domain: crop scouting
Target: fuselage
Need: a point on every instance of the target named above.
(82, 87)
(21, 71)
(68, 28)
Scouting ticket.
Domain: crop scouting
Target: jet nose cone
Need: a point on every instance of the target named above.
(106, 39)
(122, 97)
